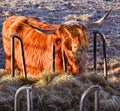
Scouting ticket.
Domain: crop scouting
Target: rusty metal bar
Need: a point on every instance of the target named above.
(95, 89)
(53, 57)
(28, 88)
(95, 32)
(13, 56)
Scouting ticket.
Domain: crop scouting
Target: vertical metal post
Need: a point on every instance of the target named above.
(94, 88)
(64, 61)
(29, 98)
(12, 57)
(53, 57)
(13, 54)
(97, 101)
(95, 32)
(94, 51)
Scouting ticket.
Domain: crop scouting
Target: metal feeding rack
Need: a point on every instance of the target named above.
(13, 37)
(28, 88)
(95, 33)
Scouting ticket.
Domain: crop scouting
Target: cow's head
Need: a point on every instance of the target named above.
(73, 35)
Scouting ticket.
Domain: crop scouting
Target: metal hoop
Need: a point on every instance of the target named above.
(94, 89)
(95, 32)
(28, 88)
(13, 56)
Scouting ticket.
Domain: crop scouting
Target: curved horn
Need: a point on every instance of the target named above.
(98, 22)
(41, 30)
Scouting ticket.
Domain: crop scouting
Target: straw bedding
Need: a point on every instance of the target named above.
(59, 92)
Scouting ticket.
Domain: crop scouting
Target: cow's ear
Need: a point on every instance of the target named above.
(58, 41)
(63, 31)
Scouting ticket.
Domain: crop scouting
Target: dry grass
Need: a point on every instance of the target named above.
(59, 92)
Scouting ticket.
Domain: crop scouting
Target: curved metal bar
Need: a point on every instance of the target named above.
(94, 88)
(28, 88)
(13, 55)
(95, 32)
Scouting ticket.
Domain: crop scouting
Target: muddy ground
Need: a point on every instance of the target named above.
(86, 11)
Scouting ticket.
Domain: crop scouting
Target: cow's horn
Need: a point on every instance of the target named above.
(98, 22)
(41, 30)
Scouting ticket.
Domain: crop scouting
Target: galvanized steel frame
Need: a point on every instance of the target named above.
(13, 56)
(95, 89)
(28, 88)
(95, 32)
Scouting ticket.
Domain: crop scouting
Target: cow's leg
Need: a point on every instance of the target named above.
(58, 63)
(8, 65)
(32, 72)
(72, 62)
(7, 53)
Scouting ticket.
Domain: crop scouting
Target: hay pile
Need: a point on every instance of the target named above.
(59, 92)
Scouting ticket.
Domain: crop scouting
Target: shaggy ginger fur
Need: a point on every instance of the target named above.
(38, 46)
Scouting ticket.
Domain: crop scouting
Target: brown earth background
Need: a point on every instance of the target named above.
(86, 11)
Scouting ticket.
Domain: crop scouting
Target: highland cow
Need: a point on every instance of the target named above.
(37, 38)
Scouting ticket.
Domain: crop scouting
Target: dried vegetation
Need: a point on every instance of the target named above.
(59, 92)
